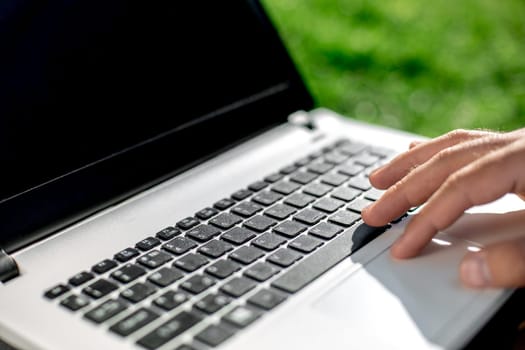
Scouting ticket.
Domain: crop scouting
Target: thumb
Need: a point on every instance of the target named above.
(497, 265)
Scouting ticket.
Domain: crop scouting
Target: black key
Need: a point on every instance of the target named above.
(238, 235)
(335, 158)
(56, 291)
(75, 302)
(185, 347)
(342, 142)
(365, 159)
(359, 204)
(154, 259)
(374, 194)
(99, 288)
(273, 177)
(138, 292)
(328, 205)
(288, 169)
(365, 234)
(257, 186)
(222, 268)
(267, 299)
(327, 149)
(126, 254)
(128, 273)
(314, 265)
(334, 179)
(81, 278)
(197, 284)
(214, 335)
(246, 209)
(381, 151)
(134, 322)
(147, 243)
(168, 233)
(165, 276)
(242, 316)
(105, 311)
(303, 161)
(326, 230)
(280, 211)
(285, 187)
(191, 262)
(261, 271)
(351, 169)
(310, 216)
(315, 155)
(289, 228)
(299, 200)
(238, 286)
(360, 182)
(179, 245)
(284, 257)
(187, 223)
(206, 213)
(259, 223)
(344, 218)
(352, 148)
(104, 266)
(212, 303)
(303, 177)
(170, 300)
(305, 244)
(215, 248)
(268, 241)
(345, 193)
(169, 330)
(246, 254)
(266, 198)
(317, 190)
(241, 194)
(320, 168)
(225, 220)
(203, 233)
(224, 204)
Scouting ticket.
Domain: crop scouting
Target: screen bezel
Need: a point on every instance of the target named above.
(43, 210)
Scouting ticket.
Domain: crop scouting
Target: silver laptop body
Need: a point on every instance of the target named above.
(364, 301)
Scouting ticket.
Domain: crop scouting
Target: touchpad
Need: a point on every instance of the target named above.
(407, 301)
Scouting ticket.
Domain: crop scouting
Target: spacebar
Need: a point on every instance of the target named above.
(327, 256)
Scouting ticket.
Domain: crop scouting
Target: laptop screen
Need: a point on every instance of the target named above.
(96, 96)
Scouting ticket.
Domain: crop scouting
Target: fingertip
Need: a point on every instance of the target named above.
(377, 179)
(474, 271)
(397, 251)
(371, 217)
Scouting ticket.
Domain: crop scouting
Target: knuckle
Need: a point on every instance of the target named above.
(444, 155)
(459, 134)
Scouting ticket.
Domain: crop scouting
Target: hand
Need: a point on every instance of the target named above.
(451, 174)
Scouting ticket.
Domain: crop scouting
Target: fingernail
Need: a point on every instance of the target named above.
(475, 271)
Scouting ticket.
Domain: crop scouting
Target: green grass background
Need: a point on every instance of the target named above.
(425, 67)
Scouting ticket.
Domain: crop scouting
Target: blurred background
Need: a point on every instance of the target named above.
(425, 67)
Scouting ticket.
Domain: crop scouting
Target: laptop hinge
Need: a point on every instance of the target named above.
(8, 267)
(302, 118)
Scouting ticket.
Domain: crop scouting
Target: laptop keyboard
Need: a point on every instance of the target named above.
(235, 260)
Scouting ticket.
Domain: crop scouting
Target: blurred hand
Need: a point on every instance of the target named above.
(452, 173)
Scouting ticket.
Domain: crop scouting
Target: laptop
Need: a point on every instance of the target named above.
(168, 183)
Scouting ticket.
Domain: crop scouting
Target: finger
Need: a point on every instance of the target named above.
(497, 265)
(415, 188)
(483, 181)
(414, 144)
(400, 166)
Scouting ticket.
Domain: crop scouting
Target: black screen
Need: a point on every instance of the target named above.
(84, 82)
